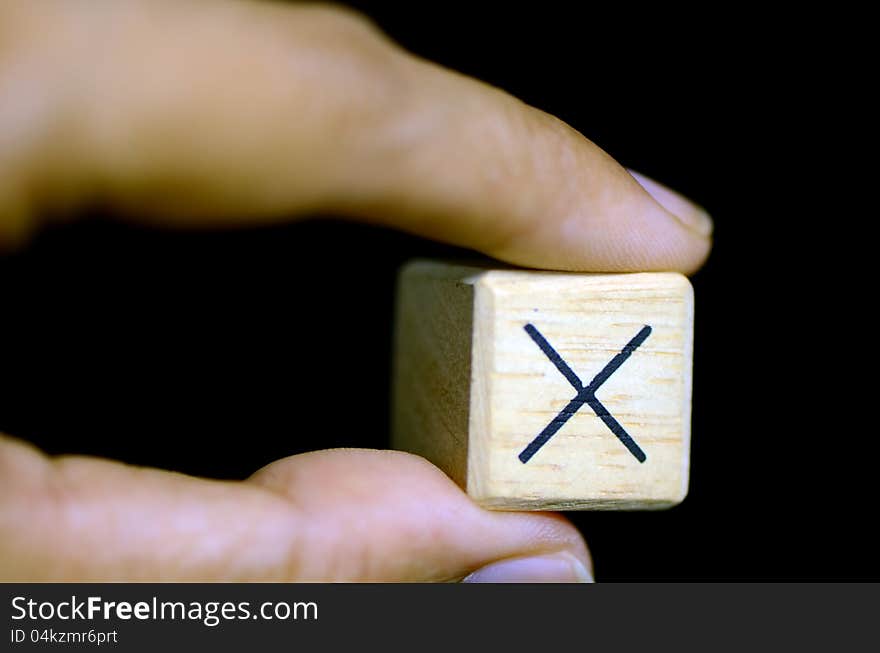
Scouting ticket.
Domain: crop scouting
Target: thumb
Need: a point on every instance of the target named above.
(388, 515)
(344, 515)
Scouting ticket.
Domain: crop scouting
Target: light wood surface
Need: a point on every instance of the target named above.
(487, 359)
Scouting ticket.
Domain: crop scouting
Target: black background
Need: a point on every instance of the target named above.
(216, 353)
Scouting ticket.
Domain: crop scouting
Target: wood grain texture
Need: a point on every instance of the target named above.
(472, 388)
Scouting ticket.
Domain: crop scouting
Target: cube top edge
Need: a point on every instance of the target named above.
(495, 275)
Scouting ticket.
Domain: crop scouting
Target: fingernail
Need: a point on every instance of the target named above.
(550, 568)
(689, 214)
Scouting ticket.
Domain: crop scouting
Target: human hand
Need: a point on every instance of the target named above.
(228, 112)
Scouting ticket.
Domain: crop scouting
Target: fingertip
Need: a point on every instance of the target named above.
(551, 568)
(687, 212)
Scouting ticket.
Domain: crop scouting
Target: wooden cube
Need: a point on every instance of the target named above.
(546, 390)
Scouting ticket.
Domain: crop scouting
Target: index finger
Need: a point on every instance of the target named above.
(235, 112)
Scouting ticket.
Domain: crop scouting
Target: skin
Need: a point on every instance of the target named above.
(191, 112)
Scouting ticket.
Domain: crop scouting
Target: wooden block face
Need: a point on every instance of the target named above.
(573, 389)
(640, 326)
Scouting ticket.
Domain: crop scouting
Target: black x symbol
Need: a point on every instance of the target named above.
(585, 394)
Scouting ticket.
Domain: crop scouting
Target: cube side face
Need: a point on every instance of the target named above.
(585, 391)
(432, 364)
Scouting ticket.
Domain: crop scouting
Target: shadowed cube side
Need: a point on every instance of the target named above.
(432, 365)
(546, 390)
